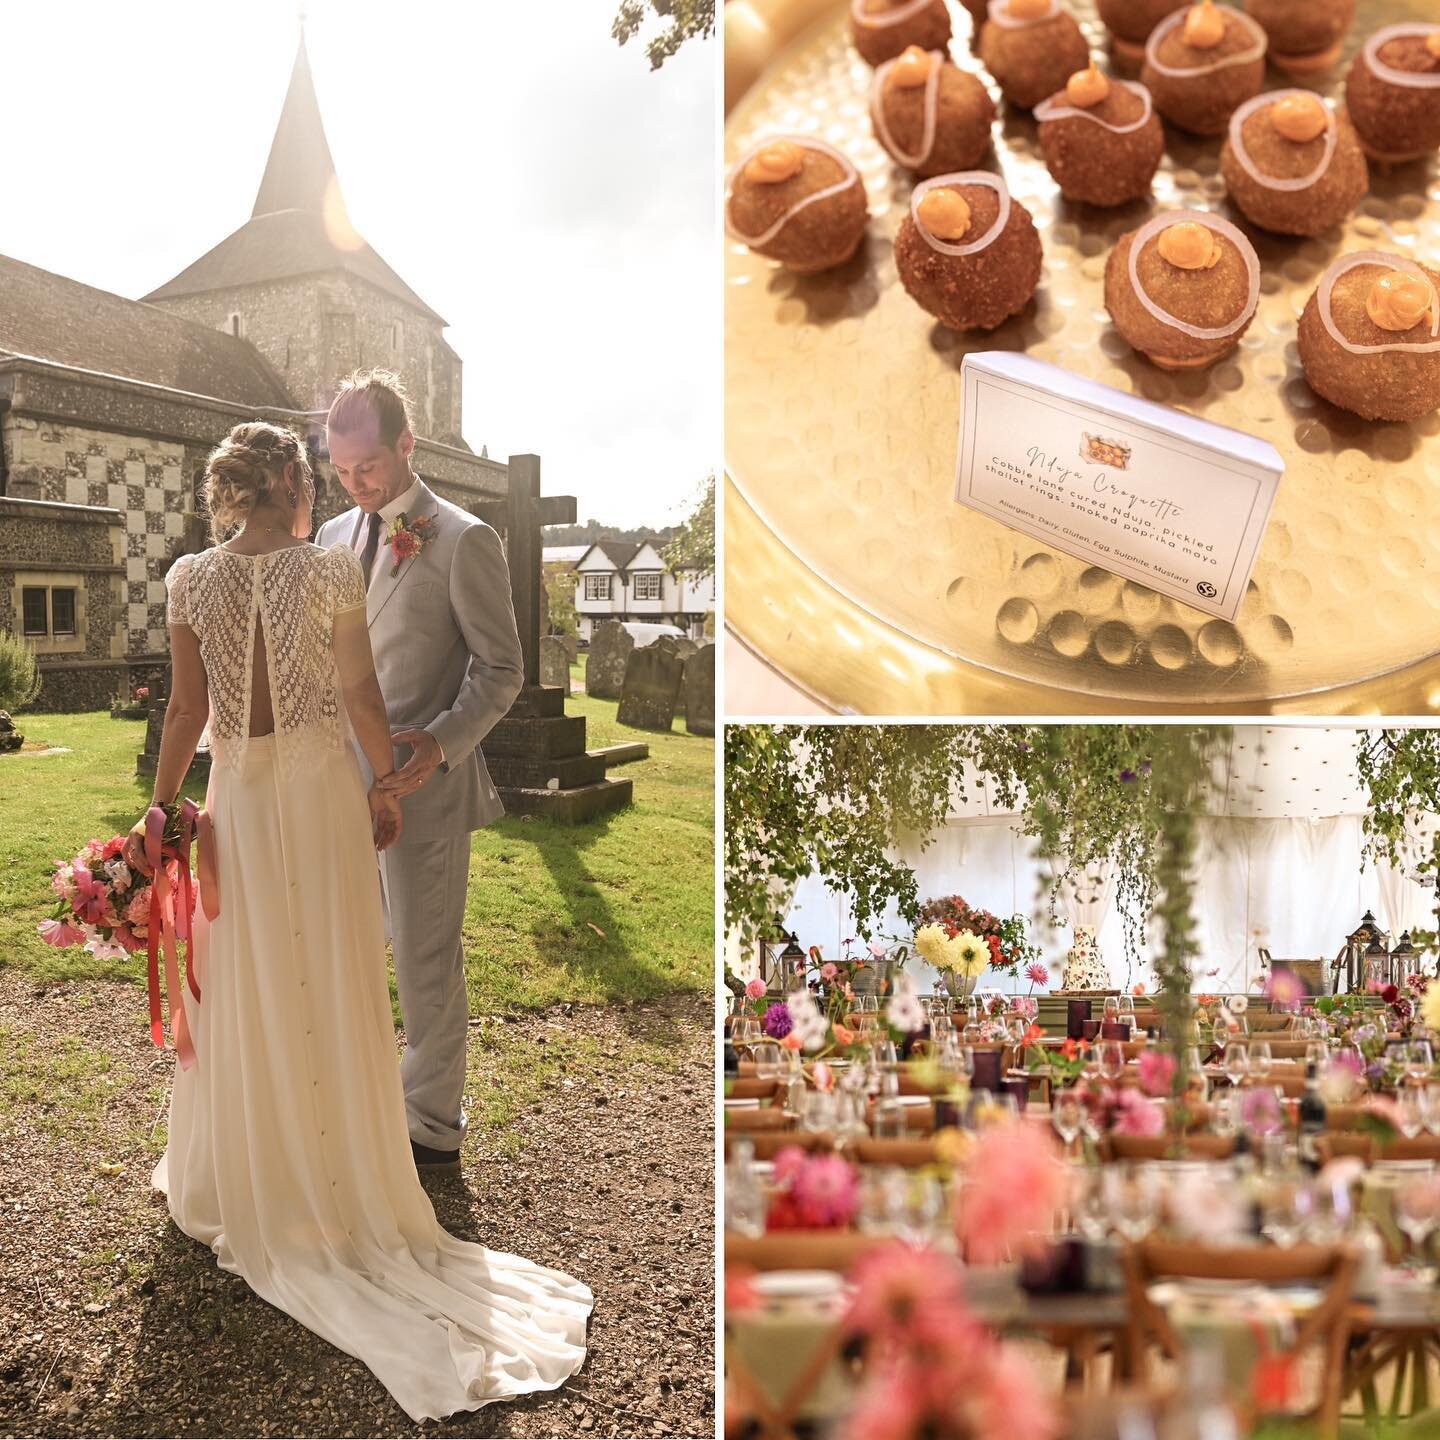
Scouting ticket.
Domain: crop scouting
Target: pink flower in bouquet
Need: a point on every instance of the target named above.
(789, 1162)
(62, 882)
(1014, 1185)
(1135, 1115)
(895, 1405)
(755, 989)
(92, 898)
(827, 1192)
(829, 970)
(1157, 1072)
(1037, 974)
(1285, 989)
(124, 935)
(114, 848)
(61, 933)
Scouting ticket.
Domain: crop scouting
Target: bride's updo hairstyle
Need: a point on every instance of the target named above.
(246, 469)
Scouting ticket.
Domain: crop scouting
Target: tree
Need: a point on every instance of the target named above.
(560, 583)
(686, 20)
(693, 548)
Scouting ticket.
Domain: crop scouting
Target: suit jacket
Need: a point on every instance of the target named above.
(447, 654)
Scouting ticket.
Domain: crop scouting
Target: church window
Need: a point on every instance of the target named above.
(397, 337)
(62, 612)
(235, 324)
(597, 587)
(36, 620)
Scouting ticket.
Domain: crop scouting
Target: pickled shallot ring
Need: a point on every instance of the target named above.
(1211, 222)
(1389, 262)
(807, 142)
(997, 12)
(932, 96)
(961, 177)
(1175, 72)
(1416, 79)
(1058, 108)
(1274, 182)
(879, 21)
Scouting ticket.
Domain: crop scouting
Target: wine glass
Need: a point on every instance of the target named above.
(1419, 1060)
(1282, 1211)
(1411, 1119)
(922, 1206)
(1111, 1057)
(1430, 1107)
(1065, 1116)
(1316, 1054)
(1237, 1064)
(1090, 1206)
(1225, 1114)
(1134, 1200)
(1417, 1208)
(1112, 1009)
(1261, 1058)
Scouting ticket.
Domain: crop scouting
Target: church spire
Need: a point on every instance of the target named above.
(299, 169)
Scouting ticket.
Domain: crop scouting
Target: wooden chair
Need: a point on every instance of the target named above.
(768, 1144)
(1369, 1149)
(1162, 1147)
(1326, 1326)
(909, 1153)
(839, 1250)
(751, 1089)
(746, 1121)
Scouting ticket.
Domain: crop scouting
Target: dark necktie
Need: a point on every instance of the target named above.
(372, 545)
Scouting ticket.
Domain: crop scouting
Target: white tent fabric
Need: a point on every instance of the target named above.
(1278, 866)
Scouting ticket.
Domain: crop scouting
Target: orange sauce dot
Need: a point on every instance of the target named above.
(1204, 26)
(912, 69)
(774, 162)
(945, 214)
(1189, 246)
(1398, 300)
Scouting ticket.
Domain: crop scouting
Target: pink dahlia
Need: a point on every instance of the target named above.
(1014, 1185)
(1157, 1072)
(755, 989)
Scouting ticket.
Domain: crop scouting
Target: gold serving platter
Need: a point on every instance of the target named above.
(852, 572)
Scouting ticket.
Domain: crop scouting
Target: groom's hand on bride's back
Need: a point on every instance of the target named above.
(385, 818)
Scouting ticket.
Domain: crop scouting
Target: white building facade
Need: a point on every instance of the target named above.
(616, 580)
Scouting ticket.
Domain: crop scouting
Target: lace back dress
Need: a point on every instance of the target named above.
(288, 1150)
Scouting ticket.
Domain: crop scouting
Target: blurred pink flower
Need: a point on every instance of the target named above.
(1037, 974)
(1014, 1185)
(1135, 1115)
(92, 899)
(827, 1191)
(829, 970)
(1157, 1072)
(896, 1284)
(1284, 988)
(877, 949)
(137, 912)
(1260, 1111)
(755, 989)
(61, 933)
(890, 1407)
(1012, 1400)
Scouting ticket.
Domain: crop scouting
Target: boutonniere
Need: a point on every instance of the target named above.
(406, 538)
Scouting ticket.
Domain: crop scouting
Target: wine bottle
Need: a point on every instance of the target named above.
(1312, 1120)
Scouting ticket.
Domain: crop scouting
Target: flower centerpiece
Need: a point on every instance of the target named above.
(961, 957)
(1010, 949)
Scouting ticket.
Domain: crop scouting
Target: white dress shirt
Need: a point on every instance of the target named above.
(406, 503)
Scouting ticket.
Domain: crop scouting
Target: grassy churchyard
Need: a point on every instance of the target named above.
(590, 963)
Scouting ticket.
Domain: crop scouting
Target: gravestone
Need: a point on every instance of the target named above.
(149, 758)
(698, 688)
(554, 662)
(680, 646)
(652, 688)
(536, 754)
(572, 647)
(611, 646)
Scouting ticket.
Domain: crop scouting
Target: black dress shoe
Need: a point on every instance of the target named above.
(435, 1162)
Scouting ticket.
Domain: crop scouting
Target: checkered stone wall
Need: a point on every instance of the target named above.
(144, 478)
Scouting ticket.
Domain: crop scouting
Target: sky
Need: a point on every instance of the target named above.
(539, 186)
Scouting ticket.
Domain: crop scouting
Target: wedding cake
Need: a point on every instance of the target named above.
(1084, 970)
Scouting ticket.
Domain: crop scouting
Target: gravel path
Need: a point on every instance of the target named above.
(112, 1322)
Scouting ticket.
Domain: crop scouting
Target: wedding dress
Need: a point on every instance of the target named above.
(289, 1153)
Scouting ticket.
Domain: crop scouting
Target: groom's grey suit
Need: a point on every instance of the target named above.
(447, 654)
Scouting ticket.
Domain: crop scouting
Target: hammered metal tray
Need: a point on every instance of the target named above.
(842, 413)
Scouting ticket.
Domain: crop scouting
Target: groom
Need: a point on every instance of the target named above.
(448, 658)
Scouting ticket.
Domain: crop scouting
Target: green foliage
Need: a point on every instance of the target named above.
(1400, 770)
(694, 547)
(686, 20)
(19, 675)
(560, 582)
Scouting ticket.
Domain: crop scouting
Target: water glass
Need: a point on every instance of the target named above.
(1111, 1058)
(1419, 1060)
(767, 1058)
(1283, 1211)
(1237, 1064)
(1065, 1116)
(1134, 1196)
(1261, 1058)
(1412, 1117)
(1417, 1210)
(1430, 1107)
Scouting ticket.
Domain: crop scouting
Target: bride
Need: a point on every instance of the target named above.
(289, 1152)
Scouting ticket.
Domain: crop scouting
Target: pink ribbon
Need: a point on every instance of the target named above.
(171, 923)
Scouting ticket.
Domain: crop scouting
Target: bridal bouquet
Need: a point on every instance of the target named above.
(102, 907)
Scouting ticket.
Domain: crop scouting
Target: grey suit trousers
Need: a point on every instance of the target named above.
(425, 883)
